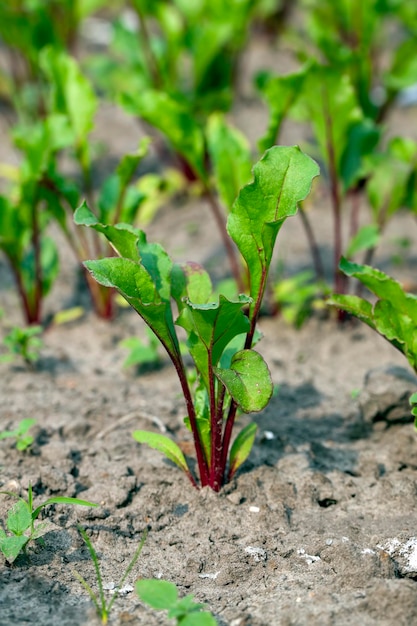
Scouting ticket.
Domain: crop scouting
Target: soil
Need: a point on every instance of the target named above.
(319, 525)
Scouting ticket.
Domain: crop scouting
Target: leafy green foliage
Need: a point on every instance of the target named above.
(393, 315)
(21, 520)
(23, 439)
(163, 595)
(23, 342)
(220, 331)
(104, 608)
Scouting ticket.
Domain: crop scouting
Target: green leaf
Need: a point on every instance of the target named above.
(12, 546)
(282, 178)
(231, 158)
(367, 237)
(388, 174)
(329, 103)
(122, 237)
(135, 284)
(363, 137)
(241, 447)
(382, 285)
(72, 93)
(394, 315)
(210, 328)
(248, 380)
(61, 500)
(19, 518)
(175, 120)
(159, 594)
(163, 444)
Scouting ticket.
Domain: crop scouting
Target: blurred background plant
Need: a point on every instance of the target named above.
(175, 67)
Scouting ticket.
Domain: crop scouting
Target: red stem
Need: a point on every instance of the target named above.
(202, 464)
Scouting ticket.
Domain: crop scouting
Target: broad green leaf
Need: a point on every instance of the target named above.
(230, 155)
(12, 546)
(211, 327)
(122, 237)
(163, 444)
(248, 381)
(174, 119)
(241, 447)
(19, 518)
(367, 237)
(280, 92)
(329, 103)
(133, 281)
(282, 178)
(61, 500)
(159, 594)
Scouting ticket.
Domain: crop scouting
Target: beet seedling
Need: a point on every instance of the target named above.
(21, 520)
(23, 439)
(221, 332)
(24, 342)
(163, 595)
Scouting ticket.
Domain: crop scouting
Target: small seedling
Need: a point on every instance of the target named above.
(221, 332)
(23, 439)
(142, 354)
(23, 342)
(21, 520)
(163, 595)
(103, 608)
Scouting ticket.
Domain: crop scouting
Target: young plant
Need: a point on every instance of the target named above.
(103, 608)
(142, 354)
(23, 342)
(221, 332)
(163, 595)
(21, 520)
(393, 315)
(23, 439)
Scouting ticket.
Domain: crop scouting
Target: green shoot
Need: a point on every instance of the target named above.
(163, 595)
(103, 608)
(21, 520)
(23, 439)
